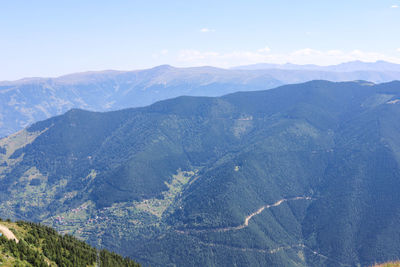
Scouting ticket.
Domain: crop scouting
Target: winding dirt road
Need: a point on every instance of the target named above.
(276, 250)
(246, 224)
(7, 233)
(246, 220)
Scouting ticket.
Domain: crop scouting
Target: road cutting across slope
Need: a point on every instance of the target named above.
(246, 224)
(246, 220)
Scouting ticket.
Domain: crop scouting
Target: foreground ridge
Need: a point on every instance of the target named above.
(29, 244)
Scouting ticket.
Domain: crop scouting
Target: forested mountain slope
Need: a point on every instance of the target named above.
(301, 175)
(27, 101)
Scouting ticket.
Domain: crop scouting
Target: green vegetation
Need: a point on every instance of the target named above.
(40, 245)
(156, 183)
(389, 264)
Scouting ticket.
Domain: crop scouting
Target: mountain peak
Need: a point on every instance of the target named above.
(163, 67)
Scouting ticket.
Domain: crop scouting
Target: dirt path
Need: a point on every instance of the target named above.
(246, 220)
(265, 251)
(275, 250)
(7, 233)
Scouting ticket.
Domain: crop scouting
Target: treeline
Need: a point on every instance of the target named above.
(42, 243)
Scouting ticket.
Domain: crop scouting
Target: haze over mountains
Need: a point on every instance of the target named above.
(380, 66)
(26, 101)
(301, 175)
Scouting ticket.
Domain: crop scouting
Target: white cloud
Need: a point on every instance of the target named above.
(264, 50)
(398, 49)
(395, 6)
(302, 56)
(206, 30)
(306, 52)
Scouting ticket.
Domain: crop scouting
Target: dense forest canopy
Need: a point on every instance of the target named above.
(42, 246)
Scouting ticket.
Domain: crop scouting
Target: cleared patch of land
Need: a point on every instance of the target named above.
(7, 233)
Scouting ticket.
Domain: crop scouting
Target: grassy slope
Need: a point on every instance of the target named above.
(389, 264)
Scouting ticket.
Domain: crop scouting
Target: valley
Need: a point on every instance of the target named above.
(199, 133)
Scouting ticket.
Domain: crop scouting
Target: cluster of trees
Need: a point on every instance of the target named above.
(63, 250)
(107, 258)
(22, 251)
(40, 242)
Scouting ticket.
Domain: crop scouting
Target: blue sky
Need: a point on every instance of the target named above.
(51, 38)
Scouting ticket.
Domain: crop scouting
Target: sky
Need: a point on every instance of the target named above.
(47, 38)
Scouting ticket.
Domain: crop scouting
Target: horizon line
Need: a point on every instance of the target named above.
(233, 68)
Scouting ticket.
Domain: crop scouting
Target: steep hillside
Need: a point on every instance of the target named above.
(301, 175)
(29, 244)
(27, 101)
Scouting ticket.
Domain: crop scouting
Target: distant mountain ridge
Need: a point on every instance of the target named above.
(26, 101)
(380, 66)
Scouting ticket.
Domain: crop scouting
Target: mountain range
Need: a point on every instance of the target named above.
(380, 66)
(26, 101)
(301, 175)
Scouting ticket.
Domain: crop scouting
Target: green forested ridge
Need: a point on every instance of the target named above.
(40, 245)
(171, 183)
